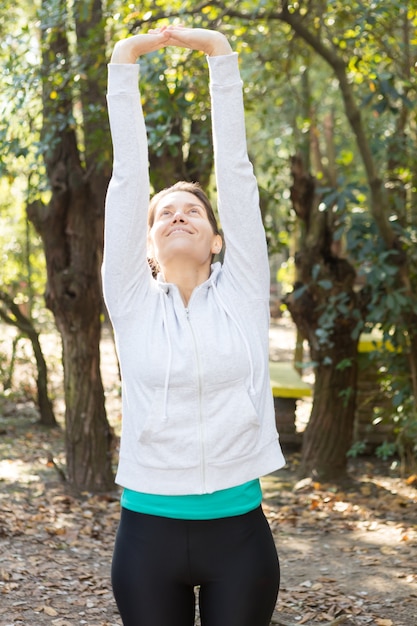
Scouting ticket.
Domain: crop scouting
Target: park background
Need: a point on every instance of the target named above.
(330, 95)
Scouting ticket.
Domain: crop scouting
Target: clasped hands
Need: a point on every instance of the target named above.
(211, 42)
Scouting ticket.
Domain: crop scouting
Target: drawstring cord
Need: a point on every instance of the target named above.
(169, 360)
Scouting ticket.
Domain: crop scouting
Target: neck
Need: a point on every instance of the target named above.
(186, 278)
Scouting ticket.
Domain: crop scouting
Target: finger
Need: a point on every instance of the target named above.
(157, 31)
(157, 37)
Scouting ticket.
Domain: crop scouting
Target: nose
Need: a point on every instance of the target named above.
(178, 217)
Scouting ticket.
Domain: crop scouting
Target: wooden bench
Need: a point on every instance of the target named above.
(369, 342)
(287, 387)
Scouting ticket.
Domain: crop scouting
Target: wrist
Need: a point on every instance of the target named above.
(220, 46)
(124, 52)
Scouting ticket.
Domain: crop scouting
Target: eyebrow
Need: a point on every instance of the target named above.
(187, 205)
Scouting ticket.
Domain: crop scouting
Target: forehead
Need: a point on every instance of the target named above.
(179, 199)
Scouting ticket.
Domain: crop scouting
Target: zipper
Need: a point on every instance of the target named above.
(200, 412)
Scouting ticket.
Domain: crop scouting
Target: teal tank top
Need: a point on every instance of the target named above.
(224, 503)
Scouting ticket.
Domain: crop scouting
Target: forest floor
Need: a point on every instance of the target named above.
(348, 553)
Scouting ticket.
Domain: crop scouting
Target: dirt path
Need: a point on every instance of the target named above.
(345, 555)
(348, 555)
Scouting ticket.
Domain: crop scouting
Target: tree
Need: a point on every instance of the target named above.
(386, 207)
(11, 314)
(71, 225)
(326, 309)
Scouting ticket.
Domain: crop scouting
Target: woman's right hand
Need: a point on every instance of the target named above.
(128, 50)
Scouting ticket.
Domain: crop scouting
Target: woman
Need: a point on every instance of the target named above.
(198, 419)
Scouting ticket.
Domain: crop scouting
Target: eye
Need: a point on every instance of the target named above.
(195, 210)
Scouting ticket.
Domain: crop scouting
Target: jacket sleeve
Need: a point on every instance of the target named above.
(246, 258)
(125, 268)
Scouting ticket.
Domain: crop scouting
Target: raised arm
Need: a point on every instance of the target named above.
(246, 257)
(125, 267)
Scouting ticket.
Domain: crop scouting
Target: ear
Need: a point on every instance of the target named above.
(217, 244)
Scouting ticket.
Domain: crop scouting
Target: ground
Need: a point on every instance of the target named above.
(348, 554)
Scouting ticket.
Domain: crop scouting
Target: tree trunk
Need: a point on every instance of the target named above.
(71, 229)
(14, 316)
(88, 436)
(46, 412)
(167, 168)
(329, 432)
(325, 308)
(68, 227)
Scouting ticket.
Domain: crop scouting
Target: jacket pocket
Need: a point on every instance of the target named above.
(232, 424)
(169, 437)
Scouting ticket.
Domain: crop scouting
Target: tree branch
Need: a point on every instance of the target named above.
(379, 200)
(16, 318)
(160, 15)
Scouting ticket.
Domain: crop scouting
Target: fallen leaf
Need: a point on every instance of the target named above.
(49, 610)
(412, 480)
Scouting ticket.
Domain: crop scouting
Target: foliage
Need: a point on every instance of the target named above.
(400, 410)
(22, 269)
(389, 309)
(373, 57)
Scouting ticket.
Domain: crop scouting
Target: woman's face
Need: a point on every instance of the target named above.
(181, 228)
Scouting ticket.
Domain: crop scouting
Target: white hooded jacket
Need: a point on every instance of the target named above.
(198, 412)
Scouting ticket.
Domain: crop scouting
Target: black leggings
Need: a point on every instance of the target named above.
(158, 561)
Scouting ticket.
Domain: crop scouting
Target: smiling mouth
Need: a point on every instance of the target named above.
(180, 230)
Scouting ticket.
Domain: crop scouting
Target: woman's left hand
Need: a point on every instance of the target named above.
(211, 42)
